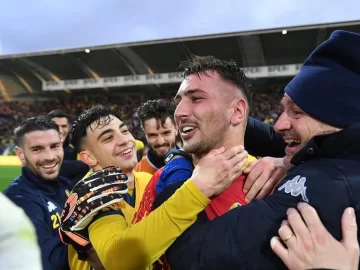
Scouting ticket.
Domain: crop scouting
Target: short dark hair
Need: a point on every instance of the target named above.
(160, 109)
(228, 70)
(99, 114)
(57, 113)
(37, 123)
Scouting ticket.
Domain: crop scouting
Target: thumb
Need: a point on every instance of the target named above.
(216, 151)
(349, 228)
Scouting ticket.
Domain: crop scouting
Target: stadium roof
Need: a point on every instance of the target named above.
(23, 74)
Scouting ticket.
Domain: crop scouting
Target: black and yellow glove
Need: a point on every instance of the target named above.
(101, 189)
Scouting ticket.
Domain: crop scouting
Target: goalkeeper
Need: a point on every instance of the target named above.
(104, 140)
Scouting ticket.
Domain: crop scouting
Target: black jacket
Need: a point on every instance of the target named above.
(262, 140)
(326, 175)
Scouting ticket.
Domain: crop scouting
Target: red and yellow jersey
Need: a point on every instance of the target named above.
(218, 205)
(148, 198)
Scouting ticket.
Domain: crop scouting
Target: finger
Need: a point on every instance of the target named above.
(297, 224)
(240, 158)
(268, 188)
(233, 151)
(250, 166)
(349, 229)
(258, 185)
(237, 169)
(252, 176)
(279, 249)
(99, 180)
(311, 218)
(286, 234)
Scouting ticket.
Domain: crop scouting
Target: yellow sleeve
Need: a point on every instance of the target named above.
(120, 246)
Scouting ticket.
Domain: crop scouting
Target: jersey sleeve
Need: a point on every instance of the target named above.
(120, 246)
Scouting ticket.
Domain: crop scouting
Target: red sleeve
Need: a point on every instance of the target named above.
(148, 198)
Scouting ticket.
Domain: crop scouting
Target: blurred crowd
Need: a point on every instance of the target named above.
(265, 107)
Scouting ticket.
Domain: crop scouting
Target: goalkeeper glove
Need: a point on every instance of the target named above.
(101, 189)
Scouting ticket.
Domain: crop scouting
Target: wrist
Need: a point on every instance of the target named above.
(204, 188)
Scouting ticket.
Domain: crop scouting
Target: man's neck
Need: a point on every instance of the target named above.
(131, 179)
(236, 138)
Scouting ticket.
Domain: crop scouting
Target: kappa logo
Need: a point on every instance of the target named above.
(51, 206)
(295, 187)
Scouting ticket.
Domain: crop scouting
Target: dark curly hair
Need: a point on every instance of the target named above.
(37, 123)
(228, 70)
(160, 109)
(101, 115)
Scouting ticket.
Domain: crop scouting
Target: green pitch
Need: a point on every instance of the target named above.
(7, 174)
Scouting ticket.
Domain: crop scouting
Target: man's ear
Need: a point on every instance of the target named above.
(88, 159)
(20, 154)
(239, 112)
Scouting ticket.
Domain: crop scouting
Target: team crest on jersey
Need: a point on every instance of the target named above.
(235, 205)
(295, 187)
(51, 206)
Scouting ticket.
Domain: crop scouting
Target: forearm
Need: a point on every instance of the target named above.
(143, 243)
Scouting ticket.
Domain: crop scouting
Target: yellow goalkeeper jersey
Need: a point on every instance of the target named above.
(122, 245)
(128, 208)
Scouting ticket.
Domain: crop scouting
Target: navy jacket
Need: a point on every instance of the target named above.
(326, 175)
(69, 151)
(43, 202)
(74, 170)
(262, 140)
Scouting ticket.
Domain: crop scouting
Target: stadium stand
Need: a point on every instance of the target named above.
(23, 76)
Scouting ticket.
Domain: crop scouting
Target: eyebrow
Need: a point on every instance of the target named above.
(109, 131)
(37, 146)
(189, 92)
(42, 146)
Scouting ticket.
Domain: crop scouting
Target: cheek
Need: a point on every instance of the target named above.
(151, 141)
(302, 129)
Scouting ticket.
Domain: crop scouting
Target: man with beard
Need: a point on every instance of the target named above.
(320, 124)
(103, 140)
(157, 121)
(39, 190)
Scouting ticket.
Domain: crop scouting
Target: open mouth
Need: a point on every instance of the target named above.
(293, 143)
(126, 152)
(49, 166)
(186, 129)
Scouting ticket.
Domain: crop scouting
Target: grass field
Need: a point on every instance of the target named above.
(7, 174)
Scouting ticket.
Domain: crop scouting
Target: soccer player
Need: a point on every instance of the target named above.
(39, 190)
(62, 121)
(71, 168)
(322, 155)
(104, 140)
(157, 121)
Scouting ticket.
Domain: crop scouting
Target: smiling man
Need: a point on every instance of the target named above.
(321, 124)
(39, 190)
(158, 124)
(104, 140)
